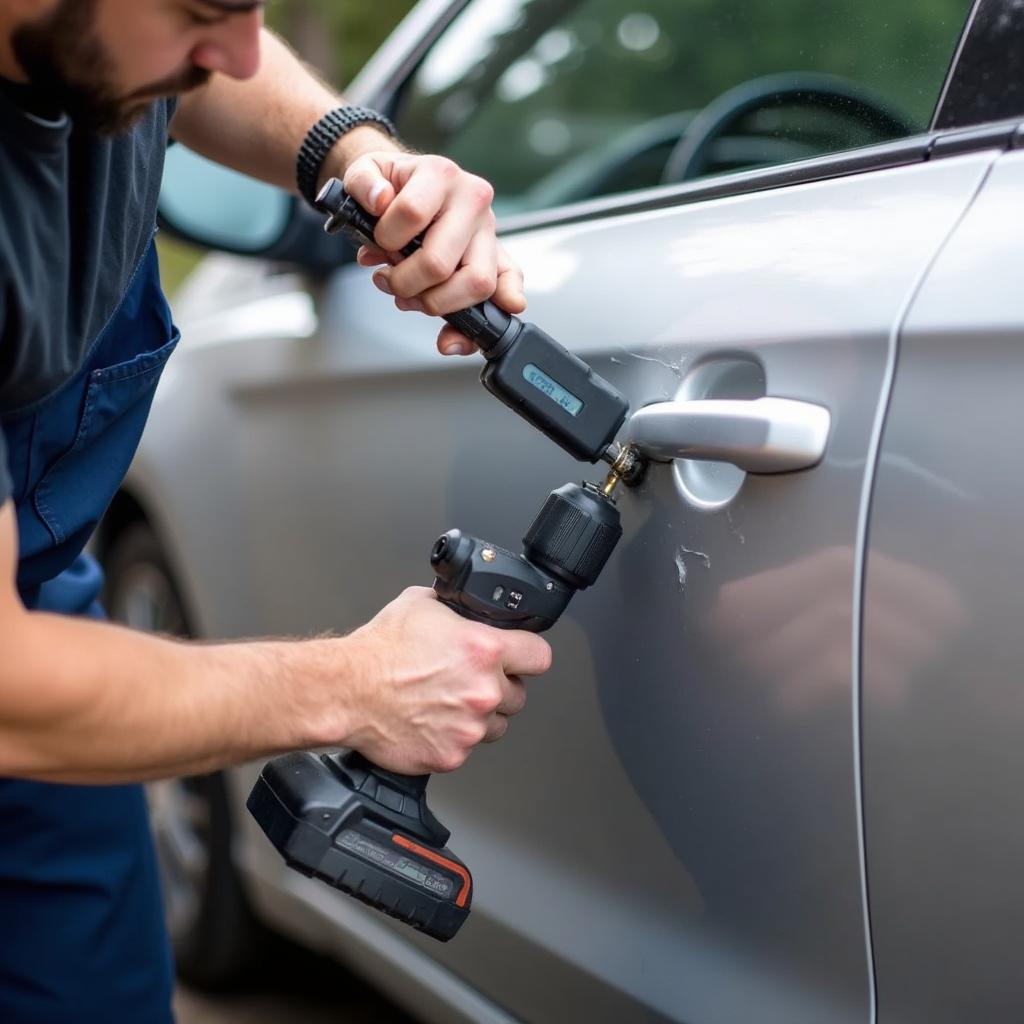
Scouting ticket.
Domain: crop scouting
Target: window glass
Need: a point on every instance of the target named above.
(559, 100)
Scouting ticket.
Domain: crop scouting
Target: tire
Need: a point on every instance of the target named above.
(215, 937)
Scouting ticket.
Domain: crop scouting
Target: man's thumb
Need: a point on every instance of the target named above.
(367, 185)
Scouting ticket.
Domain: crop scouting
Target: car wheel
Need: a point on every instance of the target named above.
(213, 932)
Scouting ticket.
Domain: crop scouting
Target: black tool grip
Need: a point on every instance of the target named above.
(490, 327)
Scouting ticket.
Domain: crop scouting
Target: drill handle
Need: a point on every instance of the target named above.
(490, 327)
(404, 796)
(414, 785)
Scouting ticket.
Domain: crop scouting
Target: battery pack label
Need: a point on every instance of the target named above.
(397, 863)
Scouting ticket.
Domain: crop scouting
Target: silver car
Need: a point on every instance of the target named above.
(775, 774)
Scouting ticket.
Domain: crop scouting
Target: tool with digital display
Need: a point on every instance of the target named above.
(525, 368)
(367, 831)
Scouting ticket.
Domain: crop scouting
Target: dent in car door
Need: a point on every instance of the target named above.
(671, 829)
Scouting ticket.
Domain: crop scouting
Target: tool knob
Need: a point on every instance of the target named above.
(574, 534)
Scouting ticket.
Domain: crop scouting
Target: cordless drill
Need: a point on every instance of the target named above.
(367, 831)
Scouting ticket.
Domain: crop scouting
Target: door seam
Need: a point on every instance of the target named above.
(860, 561)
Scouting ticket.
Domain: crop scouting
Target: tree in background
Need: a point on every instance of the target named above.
(336, 37)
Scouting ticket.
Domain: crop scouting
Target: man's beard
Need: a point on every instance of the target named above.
(67, 64)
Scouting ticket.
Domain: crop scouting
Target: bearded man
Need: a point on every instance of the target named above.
(90, 91)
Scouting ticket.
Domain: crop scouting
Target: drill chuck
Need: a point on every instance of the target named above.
(574, 534)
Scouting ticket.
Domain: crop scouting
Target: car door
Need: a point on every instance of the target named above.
(942, 653)
(673, 826)
(941, 704)
(672, 829)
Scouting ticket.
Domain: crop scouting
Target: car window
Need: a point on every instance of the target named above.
(559, 100)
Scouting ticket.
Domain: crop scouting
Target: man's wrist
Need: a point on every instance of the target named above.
(322, 680)
(337, 124)
(366, 138)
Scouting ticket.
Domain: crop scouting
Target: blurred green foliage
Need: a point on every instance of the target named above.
(337, 36)
(533, 84)
(177, 260)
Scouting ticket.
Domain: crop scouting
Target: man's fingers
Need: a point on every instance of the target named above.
(513, 701)
(497, 726)
(420, 200)
(368, 182)
(513, 697)
(526, 654)
(416, 593)
(469, 284)
(462, 236)
(440, 256)
(450, 209)
(451, 343)
(370, 256)
(509, 292)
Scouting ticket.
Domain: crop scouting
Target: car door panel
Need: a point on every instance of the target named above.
(671, 829)
(942, 709)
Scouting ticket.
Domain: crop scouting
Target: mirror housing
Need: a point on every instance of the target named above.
(216, 208)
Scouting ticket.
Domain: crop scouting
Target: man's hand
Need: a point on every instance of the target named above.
(461, 262)
(89, 702)
(433, 685)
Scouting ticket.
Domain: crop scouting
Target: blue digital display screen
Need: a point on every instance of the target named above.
(542, 382)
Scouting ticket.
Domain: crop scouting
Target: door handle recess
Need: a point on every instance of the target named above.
(762, 435)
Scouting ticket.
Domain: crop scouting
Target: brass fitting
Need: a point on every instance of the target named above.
(627, 468)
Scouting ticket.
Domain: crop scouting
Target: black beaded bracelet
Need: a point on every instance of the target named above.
(320, 140)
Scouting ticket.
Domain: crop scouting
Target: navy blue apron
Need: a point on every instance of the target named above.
(82, 934)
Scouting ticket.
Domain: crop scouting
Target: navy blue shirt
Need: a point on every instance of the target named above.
(77, 211)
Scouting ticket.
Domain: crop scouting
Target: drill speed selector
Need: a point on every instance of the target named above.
(564, 550)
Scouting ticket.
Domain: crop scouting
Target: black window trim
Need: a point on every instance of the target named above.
(933, 144)
(955, 63)
(987, 81)
(902, 153)
(890, 154)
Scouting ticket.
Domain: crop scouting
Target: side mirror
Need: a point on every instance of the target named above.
(216, 208)
(219, 208)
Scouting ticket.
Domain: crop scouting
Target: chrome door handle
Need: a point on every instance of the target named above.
(763, 435)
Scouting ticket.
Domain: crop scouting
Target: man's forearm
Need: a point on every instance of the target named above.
(415, 689)
(86, 701)
(256, 126)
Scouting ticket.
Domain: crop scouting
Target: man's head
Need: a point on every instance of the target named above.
(105, 61)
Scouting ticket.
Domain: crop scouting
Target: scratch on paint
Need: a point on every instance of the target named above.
(682, 572)
(732, 526)
(676, 368)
